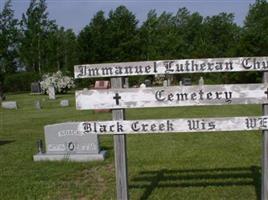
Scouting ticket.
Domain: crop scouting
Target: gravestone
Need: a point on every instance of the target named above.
(148, 83)
(64, 103)
(51, 93)
(2, 96)
(201, 81)
(38, 105)
(165, 83)
(9, 105)
(142, 85)
(36, 88)
(100, 85)
(65, 142)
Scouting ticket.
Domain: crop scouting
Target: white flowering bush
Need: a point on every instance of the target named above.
(61, 83)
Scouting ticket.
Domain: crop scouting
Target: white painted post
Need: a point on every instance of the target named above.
(120, 151)
(264, 189)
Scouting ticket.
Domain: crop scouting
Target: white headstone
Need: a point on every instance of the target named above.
(51, 92)
(38, 105)
(142, 85)
(64, 103)
(165, 83)
(9, 105)
(201, 81)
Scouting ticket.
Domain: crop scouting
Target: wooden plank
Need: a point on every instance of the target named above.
(120, 151)
(172, 96)
(264, 191)
(174, 125)
(171, 67)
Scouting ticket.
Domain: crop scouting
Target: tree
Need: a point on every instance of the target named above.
(36, 27)
(254, 40)
(123, 35)
(9, 39)
(93, 40)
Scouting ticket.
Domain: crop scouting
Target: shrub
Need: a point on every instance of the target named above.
(61, 83)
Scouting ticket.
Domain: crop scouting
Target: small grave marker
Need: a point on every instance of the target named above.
(36, 88)
(9, 105)
(38, 105)
(65, 142)
(64, 103)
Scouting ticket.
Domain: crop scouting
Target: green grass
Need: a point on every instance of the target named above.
(224, 165)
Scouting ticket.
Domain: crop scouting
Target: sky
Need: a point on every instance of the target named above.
(76, 14)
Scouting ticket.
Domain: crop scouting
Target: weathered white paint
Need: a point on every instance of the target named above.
(171, 67)
(172, 96)
(175, 125)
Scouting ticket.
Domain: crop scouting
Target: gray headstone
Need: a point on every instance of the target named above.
(148, 83)
(9, 105)
(2, 96)
(65, 139)
(38, 105)
(36, 88)
(51, 92)
(64, 103)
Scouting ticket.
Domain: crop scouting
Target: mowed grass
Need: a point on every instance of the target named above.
(224, 165)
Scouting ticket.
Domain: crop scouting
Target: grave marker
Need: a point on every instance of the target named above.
(38, 105)
(64, 103)
(36, 88)
(65, 142)
(9, 105)
(51, 93)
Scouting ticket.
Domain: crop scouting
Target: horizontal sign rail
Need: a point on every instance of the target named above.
(172, 96)
(171, 67)
(173, 125)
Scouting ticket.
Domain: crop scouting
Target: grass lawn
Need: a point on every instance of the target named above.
(224, 165)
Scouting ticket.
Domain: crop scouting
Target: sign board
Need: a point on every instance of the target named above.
(174, 125)
(171, 67)
(172, 96)
(65, 138)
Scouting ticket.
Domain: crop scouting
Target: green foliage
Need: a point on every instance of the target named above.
(42, 46)
(20, 81)
(254, 40)
(9, 39)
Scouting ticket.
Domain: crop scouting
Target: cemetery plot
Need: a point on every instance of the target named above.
(172, 96)
(171, 67)
(174, 125)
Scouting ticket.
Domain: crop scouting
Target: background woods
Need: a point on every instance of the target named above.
(35, 44)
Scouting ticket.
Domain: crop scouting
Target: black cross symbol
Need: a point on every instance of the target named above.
(266, 92)
(116, 98)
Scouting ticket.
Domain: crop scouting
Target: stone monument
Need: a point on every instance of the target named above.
(51, 93)
(64, 142)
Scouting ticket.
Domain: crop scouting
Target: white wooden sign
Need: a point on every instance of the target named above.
(174, 125)
(172, 96)
(171, 67)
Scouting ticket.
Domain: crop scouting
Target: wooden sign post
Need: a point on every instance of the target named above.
(118, 99)
(120, 149)
(264, 193)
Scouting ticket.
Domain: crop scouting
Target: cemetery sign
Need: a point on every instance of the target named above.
(174, 125)
(172, 96)
(171, 67)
